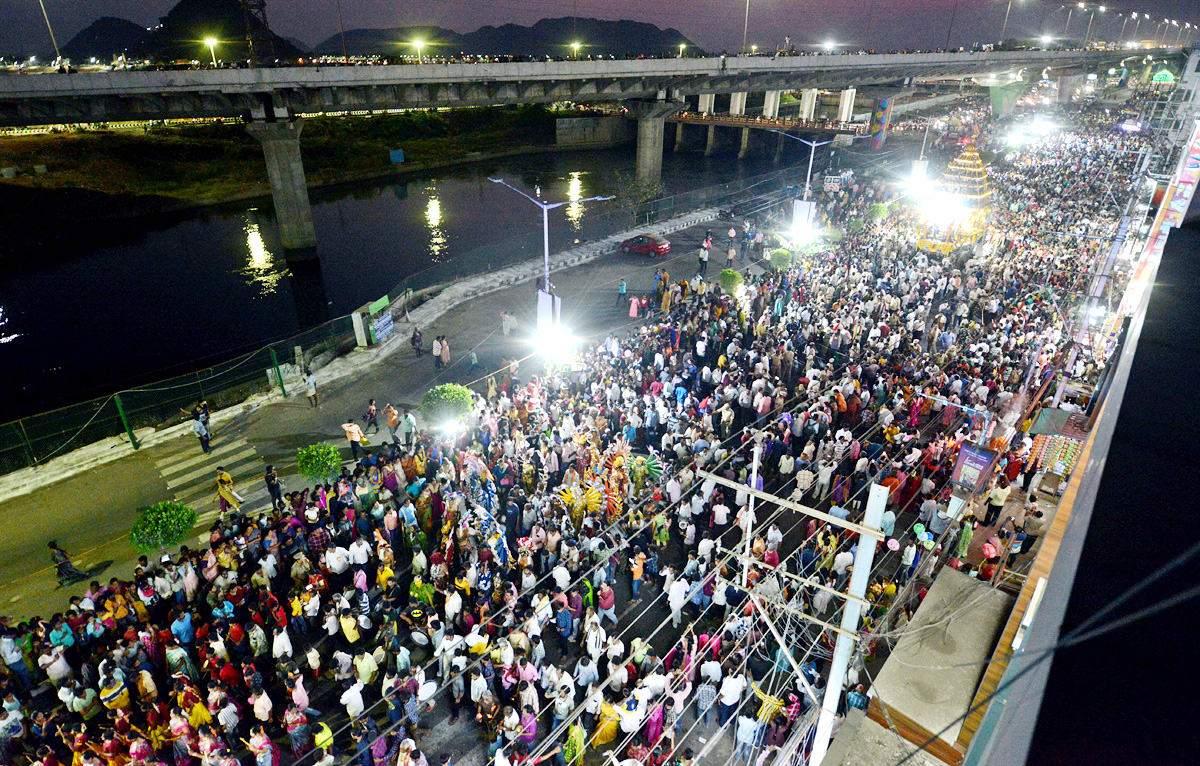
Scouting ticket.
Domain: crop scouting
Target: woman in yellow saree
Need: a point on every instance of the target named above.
(226, 497)
(609, 726)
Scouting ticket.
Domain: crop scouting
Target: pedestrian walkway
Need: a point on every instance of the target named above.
(191, 475)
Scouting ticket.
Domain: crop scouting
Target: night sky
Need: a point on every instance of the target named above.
(715, 24)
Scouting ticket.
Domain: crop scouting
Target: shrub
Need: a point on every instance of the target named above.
(730, 280)
(319, 463)
(856, 224)
(446, 402)
(161, 526)
(781, 259)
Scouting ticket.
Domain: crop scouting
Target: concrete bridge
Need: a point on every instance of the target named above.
(273, 100)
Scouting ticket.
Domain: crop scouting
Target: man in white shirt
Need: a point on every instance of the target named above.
(711, 670)
(337, 559)
(677, 596)
(352, 699)
(360, 552)
(730, 695)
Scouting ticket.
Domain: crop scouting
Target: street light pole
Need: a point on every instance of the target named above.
(1088, 33)
(1137, 22)
(1068, 25)
(212, 49)
(1004, 28)
(546, 208)
(812, 150)
(58, 56)
(745, 26)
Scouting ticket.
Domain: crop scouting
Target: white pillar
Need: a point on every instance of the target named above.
(771, 103)
(863, 558)
(737, 103)
(285, 171)
(846, 105)
(808, 103)
(707, 102)
(650, 149)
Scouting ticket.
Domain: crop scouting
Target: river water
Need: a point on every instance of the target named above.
(133, 302)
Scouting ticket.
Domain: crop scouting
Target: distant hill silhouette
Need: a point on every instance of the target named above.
(104, 39)
(548, 37)
(179, 35)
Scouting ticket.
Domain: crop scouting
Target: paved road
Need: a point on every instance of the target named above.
(90, 515)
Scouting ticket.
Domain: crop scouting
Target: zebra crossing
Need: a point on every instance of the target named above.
(191, 475)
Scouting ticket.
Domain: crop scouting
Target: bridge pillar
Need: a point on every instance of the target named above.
(737, 103)
(846, 105)
(285, 170)
(710, 146)
(808, 103)
(652, 119)
(744, 149)
(771, 103)
(707, 103)
(1066, 87)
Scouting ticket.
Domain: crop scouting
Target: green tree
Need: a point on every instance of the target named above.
(161, 526)
(781, 259)
(730, 280)
(856, 224)
(634, 194)
(318, 463)
(447, 402)
(877, 212)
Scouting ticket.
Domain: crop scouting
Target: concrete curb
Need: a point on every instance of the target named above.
(114, 448)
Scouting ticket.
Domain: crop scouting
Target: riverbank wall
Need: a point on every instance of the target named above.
(603, 132)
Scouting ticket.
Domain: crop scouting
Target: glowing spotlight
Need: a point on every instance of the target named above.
(556, 343)
(942, 210)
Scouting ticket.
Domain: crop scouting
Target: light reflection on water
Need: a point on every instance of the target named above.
(433, 219)
(6, 337)
(260, 270)
(576, 209)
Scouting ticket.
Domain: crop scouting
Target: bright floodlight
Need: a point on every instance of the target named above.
(1047, 39)
(210, 41)
(555, 343)
(942, 210)
(830, 45)
(918, 184)
(802, 234)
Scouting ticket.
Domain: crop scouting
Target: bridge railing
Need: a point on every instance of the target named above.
(32, 441)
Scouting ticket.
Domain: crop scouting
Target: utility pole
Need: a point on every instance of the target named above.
(745, 27)
(748, 530)
(859, 578)
(58, 56)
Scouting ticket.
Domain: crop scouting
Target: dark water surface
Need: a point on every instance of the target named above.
(132, 302)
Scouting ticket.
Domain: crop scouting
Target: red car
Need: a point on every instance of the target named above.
(646, 244)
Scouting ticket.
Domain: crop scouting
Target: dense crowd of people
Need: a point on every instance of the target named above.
(503, 570)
